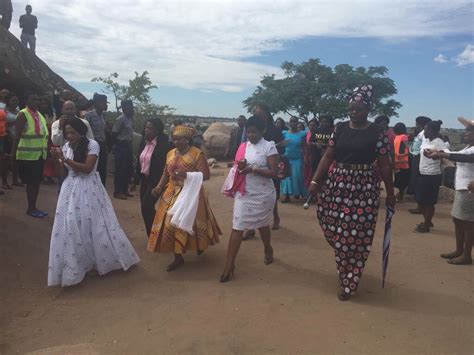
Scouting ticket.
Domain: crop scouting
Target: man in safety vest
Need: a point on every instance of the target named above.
(30, 148)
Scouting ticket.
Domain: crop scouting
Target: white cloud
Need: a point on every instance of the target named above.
(441, 58)
(364, 56)
(206, 44)
(467, 56)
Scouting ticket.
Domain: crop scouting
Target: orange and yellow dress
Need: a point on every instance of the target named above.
(206, 229)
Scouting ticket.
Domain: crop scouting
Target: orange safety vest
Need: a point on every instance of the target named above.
(401, 160)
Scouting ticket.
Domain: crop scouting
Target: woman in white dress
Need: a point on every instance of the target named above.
(86, 235)
(253, 208)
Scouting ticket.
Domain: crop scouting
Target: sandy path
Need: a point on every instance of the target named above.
(287, 307)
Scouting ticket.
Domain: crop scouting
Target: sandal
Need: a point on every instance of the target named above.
(36, 214)
(268, 258)
(421, 228)
(460, 262)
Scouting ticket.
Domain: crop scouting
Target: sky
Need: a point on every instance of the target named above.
(208, 56)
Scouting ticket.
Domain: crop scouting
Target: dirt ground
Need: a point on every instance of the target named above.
(289, 307)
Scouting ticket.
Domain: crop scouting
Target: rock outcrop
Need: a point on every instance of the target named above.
(21, 71)
(216, 140)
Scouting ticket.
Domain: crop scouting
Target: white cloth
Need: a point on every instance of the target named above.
(430, 166)
(464, 171)
(57, 136)
(185, 207)
(255, 209)
(86, 233)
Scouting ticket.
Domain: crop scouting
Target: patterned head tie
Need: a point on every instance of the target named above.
(362, 94)
(183, 131)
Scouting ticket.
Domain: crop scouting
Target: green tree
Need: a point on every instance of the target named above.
(311, 89)
(138, 90)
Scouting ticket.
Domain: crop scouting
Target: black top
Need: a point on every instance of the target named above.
(29, 23)
(273, 133)
(359, 146)
(321, 136)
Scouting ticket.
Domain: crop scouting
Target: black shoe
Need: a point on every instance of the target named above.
(228, 277)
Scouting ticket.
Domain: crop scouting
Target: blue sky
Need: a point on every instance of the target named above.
(207, 56)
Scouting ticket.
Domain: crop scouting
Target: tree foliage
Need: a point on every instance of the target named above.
(311, 89)
(138, 90)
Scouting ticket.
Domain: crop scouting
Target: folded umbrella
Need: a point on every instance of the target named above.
(386, 242)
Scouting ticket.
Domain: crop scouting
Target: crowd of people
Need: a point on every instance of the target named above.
(341, 166)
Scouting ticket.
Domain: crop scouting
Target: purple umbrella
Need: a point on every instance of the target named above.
(386, 242)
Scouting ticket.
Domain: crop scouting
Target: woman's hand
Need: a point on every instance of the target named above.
(179, 174)
(247, 170)
(156, 192)
(390, 201)
(471, 187)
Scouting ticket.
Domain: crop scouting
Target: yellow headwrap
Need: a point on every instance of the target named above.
(183, 131)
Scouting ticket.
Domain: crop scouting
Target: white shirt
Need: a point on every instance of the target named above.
(57, 136)
(464, 171)
(430, 166)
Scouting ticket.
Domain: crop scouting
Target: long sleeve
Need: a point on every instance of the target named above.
(57, 134)
(461, 158)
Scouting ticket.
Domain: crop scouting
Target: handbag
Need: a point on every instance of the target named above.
(284, 167)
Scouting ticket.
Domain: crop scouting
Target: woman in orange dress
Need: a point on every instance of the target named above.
(164, 236)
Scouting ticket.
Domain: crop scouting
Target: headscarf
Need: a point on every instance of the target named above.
(183, 131)
(363, 94)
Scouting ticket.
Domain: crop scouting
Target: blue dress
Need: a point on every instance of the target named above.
(294, 185)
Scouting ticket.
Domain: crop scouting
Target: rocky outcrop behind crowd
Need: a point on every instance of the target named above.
(22, 72)
(216, 140)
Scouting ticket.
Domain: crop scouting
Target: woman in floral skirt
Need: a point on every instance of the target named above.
(349, 197)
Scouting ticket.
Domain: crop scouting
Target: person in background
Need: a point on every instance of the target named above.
(57, 128)
(463, 206)
(6, 10)
(28, 24)
(59, 98)
(430, 177)
(238, 135)
(319, 142)
(3, 134)
(253, 207)
(151, 161)
(86, 237)
(348, 200)
(302, 127)
(49, 171)
(446, 140)
(176, 122)
(384, 122)
(402, 166)
(310, 151)
(30, 149)
(10, 164)
(97, 123)
(3, 97)
(281, 124)
(166, 237)
(122, 132)
(418, 140)
(294, 184)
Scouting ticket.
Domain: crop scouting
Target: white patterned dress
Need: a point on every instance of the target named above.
(86, 233)
(254, 209)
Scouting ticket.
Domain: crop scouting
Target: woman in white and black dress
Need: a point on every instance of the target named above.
(86, 235)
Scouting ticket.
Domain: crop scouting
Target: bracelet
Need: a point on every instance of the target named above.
(315, 182)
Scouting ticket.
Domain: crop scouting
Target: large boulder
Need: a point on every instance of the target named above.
(21, 71)
(216, 140)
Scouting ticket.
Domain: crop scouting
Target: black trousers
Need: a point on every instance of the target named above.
(102, 164)
(123, 166)
(147, 202)
(415, 172)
